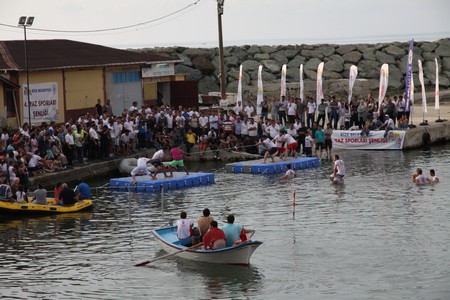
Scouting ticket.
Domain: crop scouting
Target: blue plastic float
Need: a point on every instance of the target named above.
(279, 166)
(146, 184)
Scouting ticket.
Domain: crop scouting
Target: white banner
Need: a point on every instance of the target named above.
(351, 81)
(436, 93)
(44, 102)
(301, 83)
(384, 80)
(319, 91)
(348, 139)
(239, 91)
(283, 81)
(424, 96)
(259, 95)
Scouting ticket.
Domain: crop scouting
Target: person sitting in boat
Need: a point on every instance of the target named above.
(338, 170)
(141, 168)
(203, 223)
(67, 196)
(83, 190)
(234, 233)
(184, 226)
(177, 156)
(5, 190)
(214, 238)
(40, 195)
(57, 190)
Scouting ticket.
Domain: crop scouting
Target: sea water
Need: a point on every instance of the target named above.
(376, 237)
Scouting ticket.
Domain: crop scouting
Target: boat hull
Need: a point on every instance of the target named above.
(7, 208)
(236, 255)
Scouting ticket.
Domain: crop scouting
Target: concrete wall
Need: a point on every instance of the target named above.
(418, 137)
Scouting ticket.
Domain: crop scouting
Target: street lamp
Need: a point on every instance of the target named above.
(221, 62)
(25, 21)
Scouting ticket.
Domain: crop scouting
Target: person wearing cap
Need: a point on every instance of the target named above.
(234, 232)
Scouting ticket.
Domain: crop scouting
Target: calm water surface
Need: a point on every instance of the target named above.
(376, 237)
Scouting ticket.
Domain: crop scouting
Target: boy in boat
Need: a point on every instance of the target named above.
(203, 223)
(234, 233)
(184, 226)
(214, 238)
(83, 190)
(67, 196)
(40, 195)
(5, 190)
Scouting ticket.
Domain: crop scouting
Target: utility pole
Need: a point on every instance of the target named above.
(222, 74)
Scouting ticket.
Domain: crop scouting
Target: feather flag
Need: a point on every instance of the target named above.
(436, 93)
(411, 96)
(283, 81)
(239, 92)
(384, 80)
(424, 96)
(301, 83)
(259, 94)
(351, 81)
(408, 75)
(319, 91)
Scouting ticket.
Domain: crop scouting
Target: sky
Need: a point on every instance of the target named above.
(193, 23)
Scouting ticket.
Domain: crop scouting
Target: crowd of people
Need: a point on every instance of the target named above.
(289, 125)
(208, 232)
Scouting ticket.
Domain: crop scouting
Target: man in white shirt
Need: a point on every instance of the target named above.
(238, 108)
(291, 110)
(249, 110)
(141, 168)
(203, 121)
(69, 146)
(338, 170)
(214, 121)
(273, 129)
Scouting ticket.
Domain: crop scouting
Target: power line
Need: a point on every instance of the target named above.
(109, 29)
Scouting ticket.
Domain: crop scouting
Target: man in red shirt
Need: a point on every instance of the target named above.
(214, 238)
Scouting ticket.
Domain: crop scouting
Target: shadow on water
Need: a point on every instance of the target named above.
(223, 280)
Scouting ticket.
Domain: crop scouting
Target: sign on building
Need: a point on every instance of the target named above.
(157, 70)
(43, 102)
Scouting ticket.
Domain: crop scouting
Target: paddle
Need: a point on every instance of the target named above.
(167, 255)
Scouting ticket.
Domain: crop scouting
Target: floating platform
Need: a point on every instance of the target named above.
(146, 184)
(257, 166)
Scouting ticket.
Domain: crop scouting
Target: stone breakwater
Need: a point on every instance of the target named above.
(202, 65)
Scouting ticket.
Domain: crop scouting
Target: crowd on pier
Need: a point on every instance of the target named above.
(49, 147)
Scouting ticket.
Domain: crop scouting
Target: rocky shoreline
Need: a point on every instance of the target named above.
(202, 65)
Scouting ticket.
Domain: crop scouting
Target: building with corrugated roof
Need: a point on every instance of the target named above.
(67, 77)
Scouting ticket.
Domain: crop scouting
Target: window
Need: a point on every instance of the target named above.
(123, 77)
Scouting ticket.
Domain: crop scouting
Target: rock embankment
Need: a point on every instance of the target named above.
(202, 65)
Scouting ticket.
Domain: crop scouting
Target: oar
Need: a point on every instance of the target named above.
(167, 255)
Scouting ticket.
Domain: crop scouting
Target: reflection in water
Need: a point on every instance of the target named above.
(223, 281)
